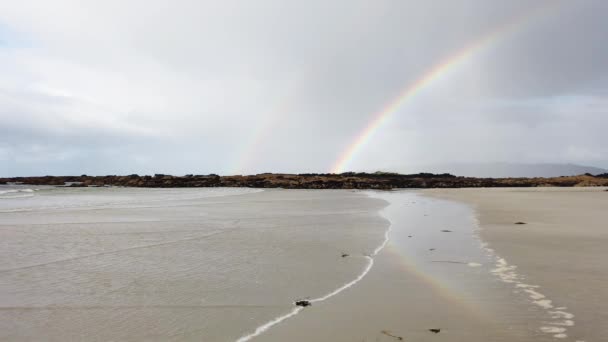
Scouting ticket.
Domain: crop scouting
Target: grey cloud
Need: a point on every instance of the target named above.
(186, 86)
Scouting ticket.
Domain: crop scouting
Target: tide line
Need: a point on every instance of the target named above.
(261, 329)
(507, 273)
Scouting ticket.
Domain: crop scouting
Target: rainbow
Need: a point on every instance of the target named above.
(272, 119)
(434, 74)
(257, 139)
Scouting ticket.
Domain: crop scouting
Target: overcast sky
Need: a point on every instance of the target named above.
(117, 87)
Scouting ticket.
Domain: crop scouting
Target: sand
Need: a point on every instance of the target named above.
(495, 280)
(184, 265)
(427, 277)
(562, 248)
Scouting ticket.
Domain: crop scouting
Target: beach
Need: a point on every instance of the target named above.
(448, 273)
(221, 264)
(432, 282)
(561, 248)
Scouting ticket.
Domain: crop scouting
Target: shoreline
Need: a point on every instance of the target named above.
(401, 295)
(428, 265)
(263, 328)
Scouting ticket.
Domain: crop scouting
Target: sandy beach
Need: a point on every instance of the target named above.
(561, 248)
(433, 274)
(228, 264)
(465, 267)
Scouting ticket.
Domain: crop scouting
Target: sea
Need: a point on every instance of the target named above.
(208, 264)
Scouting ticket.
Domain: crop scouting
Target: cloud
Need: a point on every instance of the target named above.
(187, 86)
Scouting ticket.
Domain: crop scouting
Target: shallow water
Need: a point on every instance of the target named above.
(438, 240)
(173, 264)
(433, 273)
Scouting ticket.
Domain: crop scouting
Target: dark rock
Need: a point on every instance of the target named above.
(520, 223)
(436, 331)
(446, 231)
(347, 180)
(303, 303)
(431, 249)
(344, 255)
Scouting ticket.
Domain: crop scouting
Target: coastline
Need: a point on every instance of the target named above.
(450, 261)
(413, 289)
(346, 180)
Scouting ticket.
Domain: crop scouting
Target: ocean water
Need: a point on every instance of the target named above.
(173, 264)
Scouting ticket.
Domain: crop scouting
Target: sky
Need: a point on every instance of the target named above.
(243, 87)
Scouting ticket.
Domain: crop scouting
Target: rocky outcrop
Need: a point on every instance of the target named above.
(348, 180)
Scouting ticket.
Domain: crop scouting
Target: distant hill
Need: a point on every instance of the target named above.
(502, 170)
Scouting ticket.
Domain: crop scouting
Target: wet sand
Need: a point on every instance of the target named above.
(126, 264)
(562, 249)
(433, 274)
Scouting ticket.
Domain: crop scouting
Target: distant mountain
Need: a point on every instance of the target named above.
(500, 170)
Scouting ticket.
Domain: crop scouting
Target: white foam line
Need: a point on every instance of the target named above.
(13, 191)
(18, 196)
(347, 285)
(507, 273)
(261, 329)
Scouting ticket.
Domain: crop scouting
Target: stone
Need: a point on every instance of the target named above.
(303, 303)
